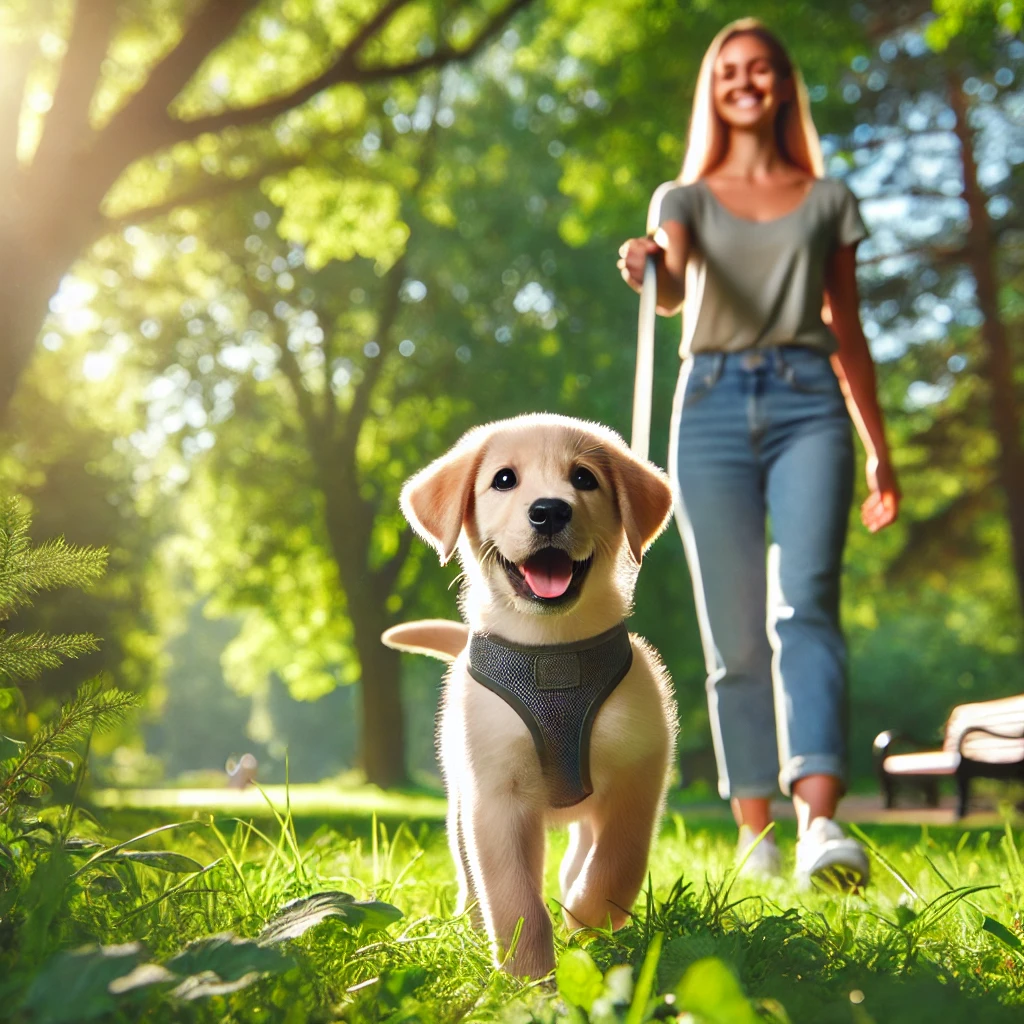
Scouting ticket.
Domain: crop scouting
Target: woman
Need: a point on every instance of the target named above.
(759, 251)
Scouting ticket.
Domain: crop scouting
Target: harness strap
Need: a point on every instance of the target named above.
(557, 691)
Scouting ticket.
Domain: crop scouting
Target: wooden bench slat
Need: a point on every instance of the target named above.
(990, 750)
(928, 762)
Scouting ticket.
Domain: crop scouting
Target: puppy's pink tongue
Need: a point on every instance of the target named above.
(548, 573)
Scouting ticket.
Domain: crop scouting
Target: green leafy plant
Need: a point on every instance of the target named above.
(51, 753)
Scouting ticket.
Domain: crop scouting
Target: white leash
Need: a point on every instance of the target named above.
(644, 383)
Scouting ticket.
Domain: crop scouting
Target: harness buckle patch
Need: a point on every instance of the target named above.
(557, 671)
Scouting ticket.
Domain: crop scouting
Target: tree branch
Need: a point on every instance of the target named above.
(140, 126)
(898, 135)
(342, 71)
(215, 188)
(940, 255)
(356, 412)
(303, 399)
(909, 193)
(66, 129)
(330, 410)
(884, 20)
(357, 43)
(312, 423)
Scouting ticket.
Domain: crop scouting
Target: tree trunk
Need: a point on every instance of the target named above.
(382, 735)
(998, 367)
(27, 283)
(40, 238)
(24, 307)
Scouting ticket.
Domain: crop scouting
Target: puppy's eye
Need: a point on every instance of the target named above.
(582, 479)
(504, 480)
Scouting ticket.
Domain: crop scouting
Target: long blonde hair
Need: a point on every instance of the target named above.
(795, 134)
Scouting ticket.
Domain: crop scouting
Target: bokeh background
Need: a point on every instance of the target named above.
(260, 261)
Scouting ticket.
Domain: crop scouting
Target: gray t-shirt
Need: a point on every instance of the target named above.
(751, 284)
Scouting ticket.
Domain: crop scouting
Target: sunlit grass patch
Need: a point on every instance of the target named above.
(220, 926)
(306, 800)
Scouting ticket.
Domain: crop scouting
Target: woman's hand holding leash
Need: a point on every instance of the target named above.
(633, 255)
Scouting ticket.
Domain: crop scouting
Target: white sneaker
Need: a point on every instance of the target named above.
(762, 861)
(824, 855)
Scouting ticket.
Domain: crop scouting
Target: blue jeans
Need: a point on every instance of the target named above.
(760, 437)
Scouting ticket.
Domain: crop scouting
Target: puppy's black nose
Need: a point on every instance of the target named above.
(549, 515)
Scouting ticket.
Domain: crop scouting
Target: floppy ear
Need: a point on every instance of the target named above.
(436, 499)
(644, 497)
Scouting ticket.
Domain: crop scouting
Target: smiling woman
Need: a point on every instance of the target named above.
(757, 249)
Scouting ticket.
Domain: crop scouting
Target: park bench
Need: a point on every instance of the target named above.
(983, 740)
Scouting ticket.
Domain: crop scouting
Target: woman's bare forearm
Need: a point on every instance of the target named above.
(853, 363)
(674, 241)
(670, 291)
(856, 372)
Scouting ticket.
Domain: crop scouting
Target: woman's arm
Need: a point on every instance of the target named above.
(856, 372)
(670, 247)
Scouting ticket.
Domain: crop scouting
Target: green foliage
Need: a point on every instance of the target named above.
(47, 754)
(51, 754)
(298, 916)
(94, 980)
(26, 569)
(259, 923)
(976, 18)
(337, 219)
(579, 980)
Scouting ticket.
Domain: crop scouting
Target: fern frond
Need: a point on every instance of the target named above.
(26, 655)
(91, 708)
(25, 570)
(42, 758)
(56, 563)
(14, 524)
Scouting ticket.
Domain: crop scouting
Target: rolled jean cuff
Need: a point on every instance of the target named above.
(751, 791)
(811, 764)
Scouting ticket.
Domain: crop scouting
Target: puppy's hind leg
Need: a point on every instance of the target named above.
(615, 868)
(581, 838)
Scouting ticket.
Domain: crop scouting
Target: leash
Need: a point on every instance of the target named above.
(644, 383)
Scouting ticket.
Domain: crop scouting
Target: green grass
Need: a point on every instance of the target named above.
(938, 935)
(305, 799)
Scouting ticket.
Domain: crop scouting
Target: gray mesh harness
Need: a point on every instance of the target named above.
(557, 691)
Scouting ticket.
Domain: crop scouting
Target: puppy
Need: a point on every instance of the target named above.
(552, 713)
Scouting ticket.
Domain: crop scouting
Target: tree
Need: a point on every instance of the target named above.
(936, 146)
(132, 80)
(1000, 365)
(301, 483)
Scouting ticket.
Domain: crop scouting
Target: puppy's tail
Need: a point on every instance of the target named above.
(440, 638)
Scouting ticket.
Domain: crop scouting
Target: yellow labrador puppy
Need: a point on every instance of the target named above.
(552, 711)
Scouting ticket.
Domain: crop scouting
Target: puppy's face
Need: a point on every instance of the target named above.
(543, 511)
(549, 510)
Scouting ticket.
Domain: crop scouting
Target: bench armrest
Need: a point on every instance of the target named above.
(988, 732)
(885, 740)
